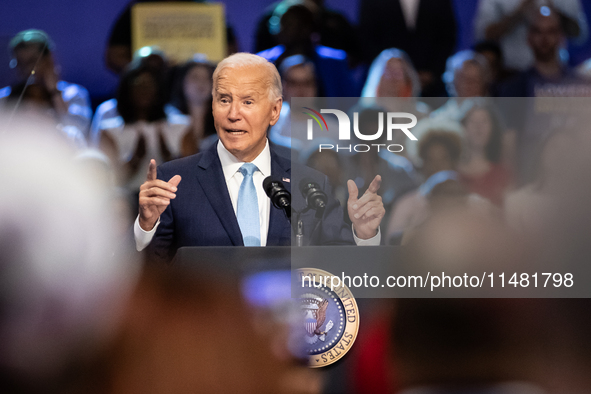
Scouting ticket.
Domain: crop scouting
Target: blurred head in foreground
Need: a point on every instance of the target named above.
(505, 345)
(63, 280)
(465, 344)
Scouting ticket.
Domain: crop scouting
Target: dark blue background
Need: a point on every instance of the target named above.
(80, 30)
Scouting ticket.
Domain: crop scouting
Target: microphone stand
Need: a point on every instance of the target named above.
(299, 230)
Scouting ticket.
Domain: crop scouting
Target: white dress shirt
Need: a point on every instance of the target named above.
(233, 177)
(230, 167)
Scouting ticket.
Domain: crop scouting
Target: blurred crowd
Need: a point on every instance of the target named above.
(399, 58)
(501, 152)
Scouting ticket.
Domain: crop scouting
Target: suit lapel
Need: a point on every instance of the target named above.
(211, 177)
(280, 170)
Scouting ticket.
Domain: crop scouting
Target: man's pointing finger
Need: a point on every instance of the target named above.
(152, 170)
(375, 184)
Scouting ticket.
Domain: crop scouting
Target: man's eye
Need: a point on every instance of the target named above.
(248, 102)
(224, 100)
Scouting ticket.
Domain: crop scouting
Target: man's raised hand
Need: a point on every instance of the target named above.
(366, 212)
(155, 196)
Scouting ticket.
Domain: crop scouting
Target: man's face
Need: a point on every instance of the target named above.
(243, 111)
(545, 36)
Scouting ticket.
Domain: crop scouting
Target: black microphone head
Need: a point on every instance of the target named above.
(269, 184)
(314, 195)
(306, 184)
(276, 191)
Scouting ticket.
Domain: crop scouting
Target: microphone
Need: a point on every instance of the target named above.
(278, 194)
(315, 197)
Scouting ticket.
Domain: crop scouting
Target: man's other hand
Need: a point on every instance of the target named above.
(366, 212)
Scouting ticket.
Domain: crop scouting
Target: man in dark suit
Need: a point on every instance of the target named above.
(210, 206)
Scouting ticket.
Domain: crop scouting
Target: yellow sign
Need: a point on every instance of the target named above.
(180, 29)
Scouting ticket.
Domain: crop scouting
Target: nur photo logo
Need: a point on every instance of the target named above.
(392, 122)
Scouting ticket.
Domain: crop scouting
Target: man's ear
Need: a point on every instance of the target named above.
(276, 110)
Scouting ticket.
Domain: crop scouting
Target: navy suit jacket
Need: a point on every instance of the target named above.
(202, 212)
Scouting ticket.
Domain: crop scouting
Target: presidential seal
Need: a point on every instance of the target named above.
(330, 317)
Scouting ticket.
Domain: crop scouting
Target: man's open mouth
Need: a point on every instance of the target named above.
(235, 131)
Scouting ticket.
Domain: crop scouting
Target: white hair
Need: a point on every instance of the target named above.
(243, 59)
(457, 61)
(378, 67)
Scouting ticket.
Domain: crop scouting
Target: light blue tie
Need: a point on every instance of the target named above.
(248, 208)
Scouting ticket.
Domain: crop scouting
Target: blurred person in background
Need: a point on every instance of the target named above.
(191, 95)
(296, 37)
(467, 78)
(118, 53)
(506, 22)
(494, 55)
(330, 163)
(153, 60)
(393, 83)
(32, 58)
(440, 152)
(34, 102)
(548, 76)
(523, 206)
(334, 29)
(298, 78)
(142, 129)
(392, 75)
(467, 75)
(425, 29)
(481, 168)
